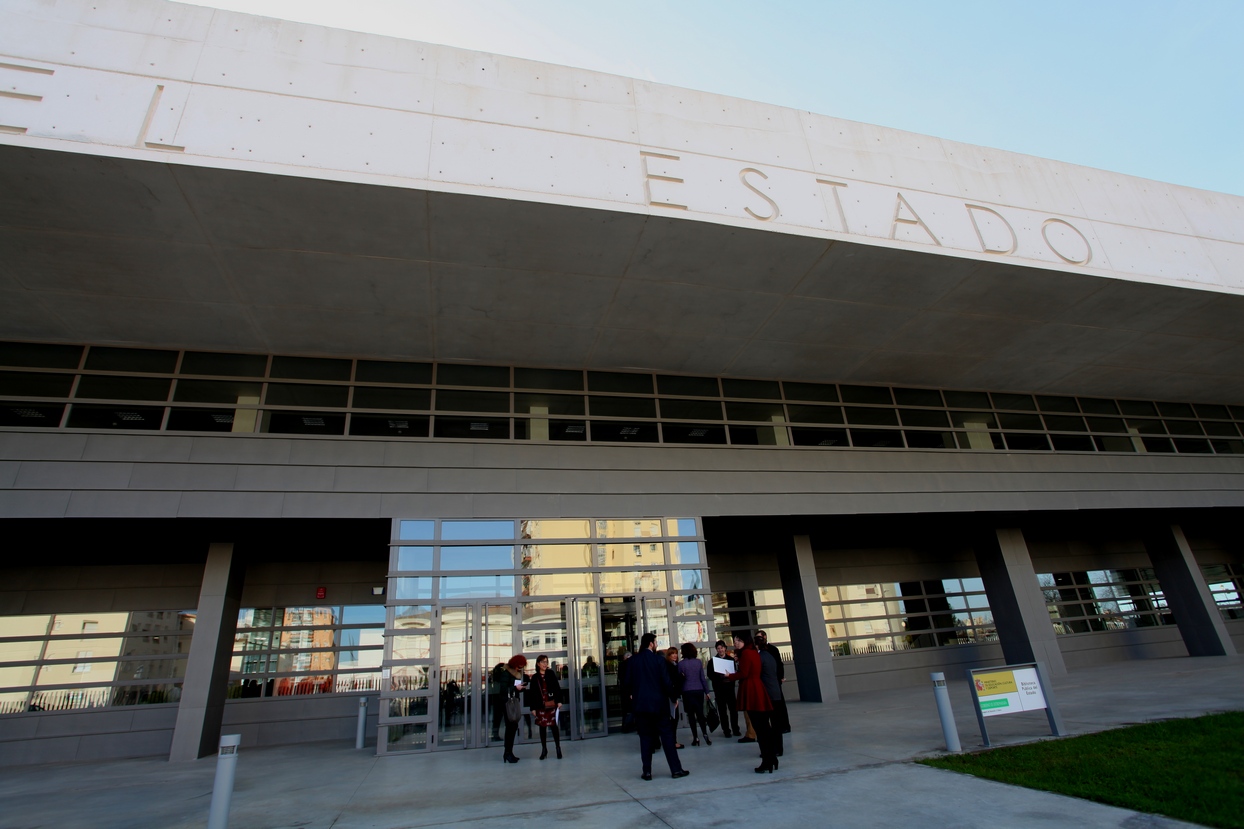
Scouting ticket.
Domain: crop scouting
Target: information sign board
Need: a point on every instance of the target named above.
(1008, 691)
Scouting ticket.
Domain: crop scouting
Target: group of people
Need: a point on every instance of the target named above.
(656, 686)
(540, 692)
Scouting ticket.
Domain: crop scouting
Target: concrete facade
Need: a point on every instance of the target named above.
(182, 179)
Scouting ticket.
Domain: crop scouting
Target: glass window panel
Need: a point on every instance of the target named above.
(688, 579)
(1019, 421)
(1145, 427)
(123, 388)
(477, 530)
(918, 397)
(412, 647)
(472, 401)
(1212, 411)
(755, 389)
(541, 528)
(225, 365)
(618, 382)
(638, 553)
(866, 394)
(311, 616)
(548, 378)
(693, 631)
(615, 432)
(967, 399)
(685, 552)
(1192, 446)
(1073, 443)
(1175, 410)
(310, 368)
(1184, 427)
(449, 374)
(83, 416)
(539, 428)
(1140, 408)
(1023, 442)
(549, 404)
(400, 707)
(818, 437)
(930, 440)
(304, 423)
(759, 435)
(408, 678)
(811, 391)
(297, 394)
(1059, 423)
(32, 415)
(622, 406)
(38, 355)
(362, 614)
(387, 371)
(973, 420)
(877, 438)
(414, 558)
(1093, 405)
(923, 417)
(556, 584)
(101, 358)
(635, 581)
(1057, 404)
(373, 397)
(693, 433)
(477, 557)
(413, 617)
(693, 605)
(472, 428)
(1022, 402)
(389, 425)
(551, 556)
(628, 528)
(465, 587)
(680, 526)
(1106, 424)
(766, 412)
(415, 530)
(691, 409)
(543, 613)
(34, 384)
(1220, 429)
(413, 587)
(217, 391)
(687, 386)
(815, 414)
(871, 417)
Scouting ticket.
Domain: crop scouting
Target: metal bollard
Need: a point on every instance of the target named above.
(222, 790)
(949, 730)
(362, 724)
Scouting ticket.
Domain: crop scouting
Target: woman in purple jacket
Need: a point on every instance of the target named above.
(694, 689)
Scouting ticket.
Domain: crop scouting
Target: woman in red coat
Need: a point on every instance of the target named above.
(754, 699)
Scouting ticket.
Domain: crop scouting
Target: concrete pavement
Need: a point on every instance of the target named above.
(846, 765)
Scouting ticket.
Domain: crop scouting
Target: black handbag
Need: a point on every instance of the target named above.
(513, 709)
(711, 716)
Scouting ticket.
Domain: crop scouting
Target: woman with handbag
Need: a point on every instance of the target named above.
(515, 687)
(544, 696)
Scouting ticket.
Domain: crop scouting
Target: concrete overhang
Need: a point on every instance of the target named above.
(775, 250)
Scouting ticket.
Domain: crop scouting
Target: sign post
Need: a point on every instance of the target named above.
(1012, 689)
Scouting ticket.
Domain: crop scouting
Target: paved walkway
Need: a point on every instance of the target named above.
(846, 765)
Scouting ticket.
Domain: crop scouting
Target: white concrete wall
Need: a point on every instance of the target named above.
(153, 80)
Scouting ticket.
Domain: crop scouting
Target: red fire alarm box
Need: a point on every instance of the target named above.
(320, 593)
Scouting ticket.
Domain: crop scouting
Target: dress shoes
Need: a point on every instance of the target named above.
(680, 773)
(646, 776)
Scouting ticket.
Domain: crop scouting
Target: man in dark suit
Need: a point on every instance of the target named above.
(651, 694)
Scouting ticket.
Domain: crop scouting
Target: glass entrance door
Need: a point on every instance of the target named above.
(619, 623)
(473, 638)
(587, 705)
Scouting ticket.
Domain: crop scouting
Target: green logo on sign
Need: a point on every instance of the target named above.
(987, 704)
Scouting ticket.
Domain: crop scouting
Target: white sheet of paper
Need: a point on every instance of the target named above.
(723, 666)
(517, 682)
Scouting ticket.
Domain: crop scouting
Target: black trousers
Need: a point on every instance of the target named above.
(727, 707)
(781, 717)
(766, 735)
(693, 705)
(656, 726)
(511, 728)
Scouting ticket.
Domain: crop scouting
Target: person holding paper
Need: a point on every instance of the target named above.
(754, 700)
(515, 686)
(723, 664)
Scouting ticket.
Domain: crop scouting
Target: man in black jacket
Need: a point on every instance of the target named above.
(651, 694)
(781, 717)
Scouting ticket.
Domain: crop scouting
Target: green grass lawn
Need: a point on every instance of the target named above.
(1185, 769)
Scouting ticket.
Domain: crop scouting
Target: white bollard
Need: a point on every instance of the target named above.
(362, 724)
(222, 790)
(949, 730)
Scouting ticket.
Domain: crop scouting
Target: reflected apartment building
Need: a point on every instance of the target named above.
(597, 357)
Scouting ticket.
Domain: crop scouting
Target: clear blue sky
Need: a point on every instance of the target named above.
(1153, 89)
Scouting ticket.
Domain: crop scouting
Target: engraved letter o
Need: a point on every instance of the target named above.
(1088, 249)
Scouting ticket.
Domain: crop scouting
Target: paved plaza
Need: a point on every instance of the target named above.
(846, 765)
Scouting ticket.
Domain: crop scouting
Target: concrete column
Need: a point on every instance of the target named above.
(1018, 606)
(1199, 620)
(813, 659)
(207, 668)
